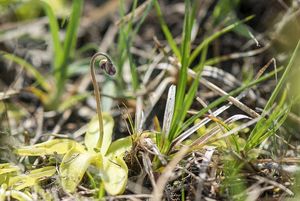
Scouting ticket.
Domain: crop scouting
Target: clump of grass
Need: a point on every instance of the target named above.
(51, 95)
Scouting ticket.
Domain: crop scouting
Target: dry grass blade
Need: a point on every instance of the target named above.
(237, 55)
(66, 115)
(256, 190)
(153, 84)
(148, 167)
(8, 94)
(241, 127)
(221, 92)
(264, 68)
(128, 197)
(169, 111)
(220, 75)
(40, 121)
(274, 183)
(193, 129)
(294, 118)
(139, 115)
(135, 15)
(167, 173)
(202, 140)
(156, 95)
(151, 148)
(151, 68)
(202, 170)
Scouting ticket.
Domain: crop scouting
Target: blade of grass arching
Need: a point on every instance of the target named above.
(167, 31)
(283, 78)
(185, 52)
(263, 125)
(54, 29)
(266, 127)
(40, 79)
(220, 100)
(211, 38)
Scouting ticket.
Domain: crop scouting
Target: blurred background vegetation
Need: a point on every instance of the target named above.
(45, 88)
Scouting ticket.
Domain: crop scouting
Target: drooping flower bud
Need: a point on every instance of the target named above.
(107, 66)
(110, 68)
(103, 64)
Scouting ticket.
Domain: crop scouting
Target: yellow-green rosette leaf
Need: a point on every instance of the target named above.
(119, 147)
(115, 175)
(18, 195)
(73, 167)
(22, 181)
(6, 168)
(56, 146)
(3, 189)
(92, 135)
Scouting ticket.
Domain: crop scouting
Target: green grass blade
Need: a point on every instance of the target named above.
(133, 71)
(283, 78)
(182, 82)
(167, 31)
(211, 38)
(183, 99)
(54, 29)
(40, 79)
(71, 35)
(125, 40)
(124, 44)
(134, 74)
(267, 127)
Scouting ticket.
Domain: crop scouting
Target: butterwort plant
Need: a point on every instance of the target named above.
(98, 149)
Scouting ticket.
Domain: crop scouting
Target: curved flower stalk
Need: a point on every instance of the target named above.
(106, 65)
